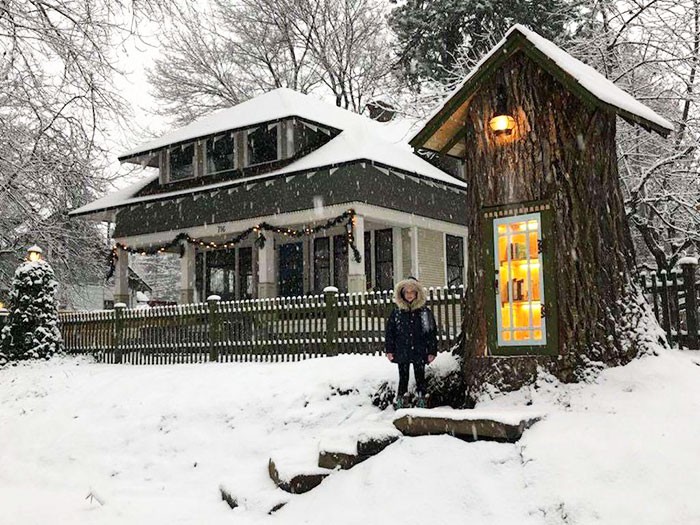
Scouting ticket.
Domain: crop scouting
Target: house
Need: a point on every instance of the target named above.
(94, 293)
(285, 195)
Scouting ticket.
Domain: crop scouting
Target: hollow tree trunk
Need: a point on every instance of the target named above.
(563, 152)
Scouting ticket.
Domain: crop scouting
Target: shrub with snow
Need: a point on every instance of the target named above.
(32, 330)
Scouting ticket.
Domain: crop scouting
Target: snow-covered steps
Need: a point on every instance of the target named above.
(345, 448)
(294, 476)
(498, 425)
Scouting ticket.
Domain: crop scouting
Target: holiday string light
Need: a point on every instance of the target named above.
(180, 239)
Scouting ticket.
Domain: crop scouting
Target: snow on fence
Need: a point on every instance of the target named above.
(276, 329)
(674, 297)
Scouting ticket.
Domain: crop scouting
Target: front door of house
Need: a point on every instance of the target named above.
(291, 270)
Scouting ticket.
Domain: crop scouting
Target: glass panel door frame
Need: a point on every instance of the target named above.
(532, 329)
(547, 261)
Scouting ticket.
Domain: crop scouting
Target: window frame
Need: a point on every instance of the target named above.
(328, 264)
(182, 146)
(489, 216)
(378, 234)
(205, 152)
(463, 257)
(253, 129)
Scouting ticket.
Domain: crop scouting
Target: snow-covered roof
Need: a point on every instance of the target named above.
(361, 139)
(588, 78)
(274, 105)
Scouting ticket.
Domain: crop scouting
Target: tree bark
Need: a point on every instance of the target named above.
(562, 151)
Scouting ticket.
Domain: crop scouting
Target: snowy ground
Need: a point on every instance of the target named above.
(155, 442)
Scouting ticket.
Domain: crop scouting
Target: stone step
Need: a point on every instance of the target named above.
(471, 424)
(239, 493)
(345, 448)
(295, 477)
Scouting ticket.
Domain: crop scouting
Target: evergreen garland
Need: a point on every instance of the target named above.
(347, 218)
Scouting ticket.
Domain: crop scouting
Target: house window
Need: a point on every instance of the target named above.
(221, 154)
(181, 162)
(384, 259)
(368, 259)
(245, 273)
(454, 255)
(340, 262)
(262, 144)
(220, 274)
(322, 263)
(309, 136)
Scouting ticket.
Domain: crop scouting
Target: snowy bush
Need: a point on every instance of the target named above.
(446, 381)
(445, 384)
(32, 330)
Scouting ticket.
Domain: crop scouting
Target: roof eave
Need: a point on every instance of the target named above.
(108, 213)
(517, 41)
(100, 215)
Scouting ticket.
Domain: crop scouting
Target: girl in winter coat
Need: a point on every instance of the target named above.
(411, 337)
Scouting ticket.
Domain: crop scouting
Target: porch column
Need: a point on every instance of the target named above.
(187, 274)
(357, 281)
(413, 236)
(121, 278)
(266, 269)
(397, 247)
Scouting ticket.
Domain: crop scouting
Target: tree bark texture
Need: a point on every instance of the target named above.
(562, 151)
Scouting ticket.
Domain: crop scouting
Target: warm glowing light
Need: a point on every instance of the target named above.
(2, 305)
(529, 264)
(527, 306)
(34, 253)
(502, 124)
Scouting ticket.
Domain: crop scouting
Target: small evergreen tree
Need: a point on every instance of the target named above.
(32, 330)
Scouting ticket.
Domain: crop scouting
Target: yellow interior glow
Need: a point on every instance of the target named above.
(502, 124)
(518, 271)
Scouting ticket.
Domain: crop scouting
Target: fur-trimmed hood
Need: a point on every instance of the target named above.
(398, 294)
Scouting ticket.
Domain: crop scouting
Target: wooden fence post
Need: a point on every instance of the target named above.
(118, 331)
(214, 326)
(330, 294)
(689, 266)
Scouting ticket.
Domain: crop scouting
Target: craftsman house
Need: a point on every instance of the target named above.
(285, 195)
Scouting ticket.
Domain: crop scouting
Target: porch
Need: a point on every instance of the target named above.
(388, 245)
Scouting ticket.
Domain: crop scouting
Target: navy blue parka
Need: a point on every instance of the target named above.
(411, 332)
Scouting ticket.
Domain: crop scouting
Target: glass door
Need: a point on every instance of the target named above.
(519, 274)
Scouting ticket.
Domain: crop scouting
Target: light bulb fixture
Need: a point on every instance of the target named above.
(502, 123)
(34, 253)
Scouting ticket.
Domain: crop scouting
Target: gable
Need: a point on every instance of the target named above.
(441, 132)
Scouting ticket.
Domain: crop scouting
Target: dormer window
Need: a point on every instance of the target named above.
(262, 144)
(181, 162)
(220, 154)
(310, 136)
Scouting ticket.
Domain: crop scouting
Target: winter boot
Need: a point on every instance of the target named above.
(422, 402)
(398, 403)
